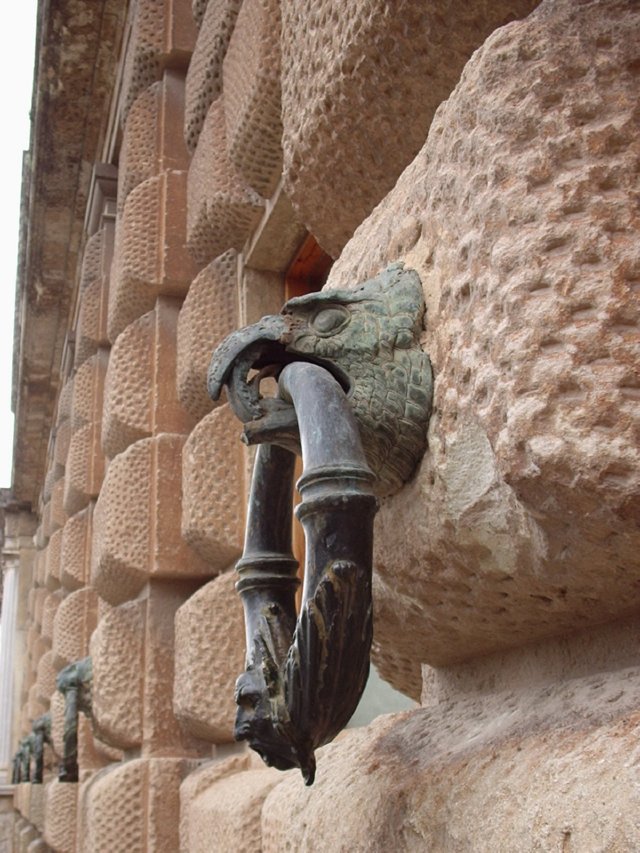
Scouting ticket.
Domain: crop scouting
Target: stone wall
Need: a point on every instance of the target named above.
(494, 148)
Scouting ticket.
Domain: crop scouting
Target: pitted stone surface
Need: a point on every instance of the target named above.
(358, 96)
(52, 562)
(85, 468)
(92, 260)
(60, 816)
(198, 8)
(152, 140)
(208, 315)
(150, 255)
(75, 621)
(251, 77)
(57, 721)
(229, 810)
(135, 806)
(210, 650)
(56, 516)
(88, 390)
(163, 35)
(222, 209)
(117, 652)
(76, 550)
(136, 521)
(46, 678)
(216, 20)
(212, 505)
(519, 215)
(128, 393)
(61, 447)
(49, 608)
(140, 389)
(531, 753)
(92, 320)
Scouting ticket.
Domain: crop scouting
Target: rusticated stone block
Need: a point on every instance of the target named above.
(520, 522)
(61, 446)
(134, 806)
(64, 401)
(92, 260)
(198, 8)
(56, 708)
(57, 515)
(49, 608)
(118, 663)
(150, 255)
(54, 473)
(358, 96)
(75, 556)
(210, 649)
(230, 811)
(153, 140)
(222, 209)
(91, 330)
(61, 816)
(75, 621)
(37, 803)
(92, 754)
(252, 107)
(163, 36)
(140, 392)
(52, 561)
(204, 77)
(45, 678)
(212, 505)
(136, 522)
(35, 707)
(85, 468)
(529, 750)
(88, 391)
(208, 315)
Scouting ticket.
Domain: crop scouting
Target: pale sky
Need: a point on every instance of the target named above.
(16, 72)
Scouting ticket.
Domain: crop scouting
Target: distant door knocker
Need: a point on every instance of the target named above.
(354, 400)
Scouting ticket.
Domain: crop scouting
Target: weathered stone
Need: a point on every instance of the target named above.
(216, 19)
(212, 506)
(208, 315)
(209, 657)
(251, 75)
(518, 216)
(75, 621)
(222, 209)
(359, 93)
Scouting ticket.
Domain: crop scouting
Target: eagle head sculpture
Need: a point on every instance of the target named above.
(368, 339)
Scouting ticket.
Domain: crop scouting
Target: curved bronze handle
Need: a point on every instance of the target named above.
(350, 369)
(304, 677)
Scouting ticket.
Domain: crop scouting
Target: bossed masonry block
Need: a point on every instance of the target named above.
(61, 447)
(210, 650)
(92, 755)
(208, 315)
(135, 805)
(54, 473)
(252, 106)
(140, 392)
(198, 8)
(56, 515)
(136, 522)
(46, 678)
(85, 468)
(222, 209)
(204, 77)
(75, 621)
(92, 259)
(230, 811)
(212, 506)
(521, 521)
(91, 329)
(61, 816)
(117, 649)
(64, 401)
(162, 36)
(75, 554)
(88, 391)
(56, 707)
(35, 707)
(52, 561)
(153, 140)
(49, 609)
(150, 255)
(358, 96)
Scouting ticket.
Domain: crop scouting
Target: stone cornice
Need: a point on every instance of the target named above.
(78, 46)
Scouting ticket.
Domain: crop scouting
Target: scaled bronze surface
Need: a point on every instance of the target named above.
(354, 399)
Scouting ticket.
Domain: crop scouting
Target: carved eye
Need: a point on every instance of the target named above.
(330, 320)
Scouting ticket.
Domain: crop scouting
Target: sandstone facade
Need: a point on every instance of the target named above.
(495, 149)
